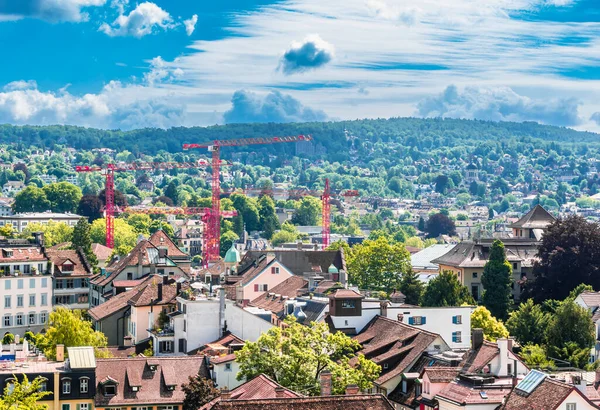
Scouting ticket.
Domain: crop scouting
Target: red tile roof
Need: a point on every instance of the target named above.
(21, 255)
(465, 394)
(261, 387)
(442, 374)
(353, 402)
(548, 395)
(398, 344)
(275, 298)
(160, 239)
(477, 359)
(102, 252)
(59, 257)
(154, 390)
(346, 293)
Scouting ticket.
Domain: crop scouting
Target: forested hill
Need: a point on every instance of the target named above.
(422, 134)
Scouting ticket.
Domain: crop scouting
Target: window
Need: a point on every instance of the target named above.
(474, 275)
(11, 385)
(19, 283)
(66, 387)
(417, 390)
(167, 407)
(83, 385)
(32, 283)
(7, 301)
(7, 321)
(67, 267)
(182, 343)
(165, 346)
(404, 386)
(66, 407)
(261, 288)
(515, 265)
(109, 390)
(385, 366)
(70, 283)
(275, 270)
(32, 318)
(44, 385)
(571, 406)
(31, 300)
(475, 291)
(59, 284)
(457, 320)
(19, 319)
(19, 300)
(456, 337)
(26, 269)
(44, 282)
(348, 304)
(417, 320)
(7, 284)
(43, 318)
(227, 367)
(83, 406)
(44, 299)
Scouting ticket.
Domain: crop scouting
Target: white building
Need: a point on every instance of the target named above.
(5, 208)
(21, 220)
(26, 288)
(11, 188)
(48, 179)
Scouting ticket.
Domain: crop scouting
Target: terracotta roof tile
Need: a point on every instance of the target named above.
(442, 374)
(467, 394)
(161, 239)
(59, 257)
(549, 394)
(477, 359)
(21, 254)
(102, 252)
(346, 293)
(537, 217)
(153, 388)
(288, 289)
(354, 402)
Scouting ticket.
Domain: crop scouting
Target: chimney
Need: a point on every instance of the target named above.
(60, 353)
(325, 383)
(128, 341)
(580, 383)
(400, 317)
(299, 245)
(140, 265)
(279, 392)
(503, 346)
(165, 280)
(352, 390)
(160, 285)
(342, 277)
(476, 338)
(225, 394)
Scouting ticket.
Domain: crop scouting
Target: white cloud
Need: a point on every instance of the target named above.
(162, 71)
(140, 22)
(311, 53)
(119, 5)
(190, 25)
(20, 85)
(381, 9)
(50, 10)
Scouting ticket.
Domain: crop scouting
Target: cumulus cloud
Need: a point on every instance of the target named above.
(140, 22)
(20, 85)
(53, 11)
(161, 71)
(595, 117)
(104, 110)
(381, 9)
(499, 104)
(311, 53)
(248, 107)
(190, 25)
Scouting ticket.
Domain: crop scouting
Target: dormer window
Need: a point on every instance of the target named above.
(67, 267)
(110, 390)
(348, 304)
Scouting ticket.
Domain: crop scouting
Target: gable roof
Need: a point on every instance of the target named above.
(477, 359)
(354, 402)
(398, 344)
(468, 394)
(160, 239)
(548, 395)
(590, 298)
(301, 261)
(102, 252)
(274, 299)
(172, 371)
(469, 254)
(441, 374)
(536, 218)
(254, 270)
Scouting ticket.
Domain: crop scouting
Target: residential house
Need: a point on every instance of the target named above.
(11, 188)
(421, 260)
(126, 317)
(145, 382)
(539, 391)
(156, 255)
(201, 318)
(190, 239)
(221, 359)
(71, 383)
(26, 286)
(533, 224)
(103, 254)
(72, 272)
(590, 300)
(5, 208)
(20, 221)
(277, 300)
(48, 179)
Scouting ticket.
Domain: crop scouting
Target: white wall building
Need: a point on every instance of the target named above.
(5, 208)
(21, 220)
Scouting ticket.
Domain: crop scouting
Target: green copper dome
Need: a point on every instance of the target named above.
(232, 255)
(333, 269)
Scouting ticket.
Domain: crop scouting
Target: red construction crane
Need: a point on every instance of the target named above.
(214, 218)
(326, 217)
(109, 192)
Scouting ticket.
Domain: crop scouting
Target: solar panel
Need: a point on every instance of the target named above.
(531, 381)
(483, 395)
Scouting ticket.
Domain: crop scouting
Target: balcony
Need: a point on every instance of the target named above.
(17, 273)
(162, 332)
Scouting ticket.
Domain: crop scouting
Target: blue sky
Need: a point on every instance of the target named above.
(127, 64)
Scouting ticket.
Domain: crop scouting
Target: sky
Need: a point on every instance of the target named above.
(122, 64)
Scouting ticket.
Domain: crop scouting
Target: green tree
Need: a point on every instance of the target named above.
(268, 218)
(440, 224)
(446, 290)
(528, 324)
(308, 213)
(8, 338)
(83, 239)
(227, 239)
(496, 280)
(198, 391)
(171, 191)
(248, 209)
(493, 329)
(378, 265)
(22, 394)
(125, 235)
(67, 327)
(140, 223)
(63, 196)
(412, 288)
(54, 232)
(162, 225)
(421, 225)
(283, 236)
(535, 356)
(31, 199)
(295, 357)
(570, 330)
(7, 231)
(91, 207)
